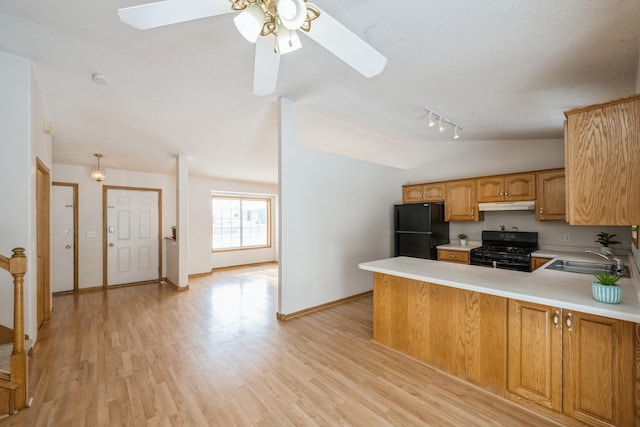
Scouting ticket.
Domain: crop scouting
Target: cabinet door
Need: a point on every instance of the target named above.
(460, 201)
(434, 192)
(520, 187)
(598, 356)
(550, 199)
(535, 353)
(412, 193)
(602, 151)
(490, 189)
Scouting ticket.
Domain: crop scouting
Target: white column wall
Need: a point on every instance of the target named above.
(182, 215)
(22, 114)
(335, 213)
(15, 172)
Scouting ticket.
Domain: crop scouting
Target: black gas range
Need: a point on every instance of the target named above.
(504, 249)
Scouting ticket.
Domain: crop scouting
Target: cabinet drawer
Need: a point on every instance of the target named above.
(461, 257)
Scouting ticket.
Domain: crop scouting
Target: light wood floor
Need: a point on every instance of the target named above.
(216, 355)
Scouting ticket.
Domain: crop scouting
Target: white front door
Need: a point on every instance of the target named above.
(133, 240)
(62, 238)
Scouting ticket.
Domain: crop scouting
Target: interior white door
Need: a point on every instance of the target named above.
(133, 242)
(62, 238)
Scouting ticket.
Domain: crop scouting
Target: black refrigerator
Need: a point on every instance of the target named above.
(419, 228)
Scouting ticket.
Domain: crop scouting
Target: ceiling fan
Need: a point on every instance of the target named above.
(272, 25)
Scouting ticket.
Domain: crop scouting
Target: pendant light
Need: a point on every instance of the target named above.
(98, 174)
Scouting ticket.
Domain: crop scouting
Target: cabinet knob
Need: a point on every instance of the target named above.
(541, 211)
(569, 321)
(556, 318)
(452, 256)
(472, 212)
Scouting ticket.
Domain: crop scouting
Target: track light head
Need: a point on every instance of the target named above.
(441, 127)
(456, 135)
(431, 122)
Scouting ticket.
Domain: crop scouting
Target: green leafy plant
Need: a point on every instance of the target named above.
(606, 239)
(634, 228)
(462, 236)
(607, 279)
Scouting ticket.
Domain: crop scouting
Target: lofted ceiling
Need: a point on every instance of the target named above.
(503, 70)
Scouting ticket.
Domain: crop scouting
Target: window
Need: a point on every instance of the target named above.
(240, 223)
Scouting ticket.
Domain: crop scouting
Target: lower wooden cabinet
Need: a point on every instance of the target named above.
(461, 332)
(537, 262)
(576, 363)
(460, 257)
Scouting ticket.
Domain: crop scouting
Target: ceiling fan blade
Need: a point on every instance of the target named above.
(169, 12)
(344, 44)
(265, 68)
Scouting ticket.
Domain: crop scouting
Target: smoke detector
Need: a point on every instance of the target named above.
(100, 79)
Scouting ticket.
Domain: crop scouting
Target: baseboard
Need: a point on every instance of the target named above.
(255, 264)
(176, 287)
(281, 316)
(196, 275)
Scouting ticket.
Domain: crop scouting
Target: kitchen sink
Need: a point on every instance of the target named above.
(586, 267)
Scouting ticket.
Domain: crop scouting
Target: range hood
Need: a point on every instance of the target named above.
(507, 206)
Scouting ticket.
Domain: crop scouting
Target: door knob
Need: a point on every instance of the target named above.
(110, 245)
(68, 246)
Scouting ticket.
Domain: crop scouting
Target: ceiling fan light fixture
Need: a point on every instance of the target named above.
(292, 13)
(288, 41)
(249, 22)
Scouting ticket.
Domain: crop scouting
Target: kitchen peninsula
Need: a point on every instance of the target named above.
(537, 336)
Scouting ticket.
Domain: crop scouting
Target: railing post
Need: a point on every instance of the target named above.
(18, 268)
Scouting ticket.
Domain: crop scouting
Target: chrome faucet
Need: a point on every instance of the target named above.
(614, 260)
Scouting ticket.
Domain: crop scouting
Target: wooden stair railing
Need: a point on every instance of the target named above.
(15, 386)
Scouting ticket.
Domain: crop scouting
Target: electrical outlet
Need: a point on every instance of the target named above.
(567, 237)
(91, 234)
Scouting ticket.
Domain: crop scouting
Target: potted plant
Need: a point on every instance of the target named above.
(463, 239)
(606, 239)
(605, 290)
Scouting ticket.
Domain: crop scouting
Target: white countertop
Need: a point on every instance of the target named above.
(555, 288)
(458, 247)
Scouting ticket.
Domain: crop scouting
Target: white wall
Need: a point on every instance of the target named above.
(201, 259)
(471, 159)
(550, 233)
(15, 171)
(90, 211)
(335, 213)
(21, 141)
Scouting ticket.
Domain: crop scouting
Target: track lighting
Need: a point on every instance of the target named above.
(443, 122)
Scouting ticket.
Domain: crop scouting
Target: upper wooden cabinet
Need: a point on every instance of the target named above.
(461, 197)
(507, 188)
(432, 192)
(602, 154)
(550, 198)
(461, 202)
